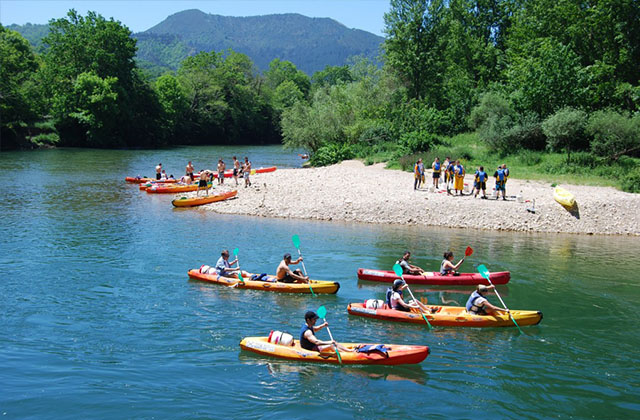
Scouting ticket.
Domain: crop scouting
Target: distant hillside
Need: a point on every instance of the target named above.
(309, 43)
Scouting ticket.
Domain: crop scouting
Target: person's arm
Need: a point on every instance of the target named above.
(296, 261)
(321, 326)
(295, 276)
(455, 267)
(489, 308)
(309, 336)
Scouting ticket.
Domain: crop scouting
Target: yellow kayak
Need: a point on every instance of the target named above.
(564, 197)
(319, 286)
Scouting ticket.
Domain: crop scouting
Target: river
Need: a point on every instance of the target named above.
(99, 319)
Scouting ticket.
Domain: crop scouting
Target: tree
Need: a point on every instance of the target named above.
(332, 75)
(280, 71)
(614, 134)
(565, 130)
(173, 101)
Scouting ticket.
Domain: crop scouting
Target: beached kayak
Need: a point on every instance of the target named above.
(319, 286)
(136, 180)
(392, 354)
(564, 197)
(447, 316)
(198, 201)
(229, 173)
(431, 277)
(172, 189)
(146, 185)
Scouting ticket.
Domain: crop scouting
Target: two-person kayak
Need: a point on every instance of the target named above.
(434, 277)
(447, 316)
(319, 286)
(199, 201)
(386, 354)
(229, 173)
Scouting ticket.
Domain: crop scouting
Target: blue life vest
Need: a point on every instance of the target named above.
(304, 342)
(471, 307)
(459, 170)
(481, 176)
(500, 175)
(436, 166)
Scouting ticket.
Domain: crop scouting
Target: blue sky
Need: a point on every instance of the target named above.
(140, 15)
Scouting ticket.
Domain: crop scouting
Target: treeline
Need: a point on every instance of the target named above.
(85, 89)
(538, 74)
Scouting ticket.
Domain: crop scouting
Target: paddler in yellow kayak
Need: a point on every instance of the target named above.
(395, 300)
(477, 304)
(284, 274)
(224, 269)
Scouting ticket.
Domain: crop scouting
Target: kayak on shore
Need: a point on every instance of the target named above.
(434, 277)
(564, 197)
(319, 286)
(199, 201)
(173, 189)
(137, 180)
(229, 173)
(447, 316)
(391, 354)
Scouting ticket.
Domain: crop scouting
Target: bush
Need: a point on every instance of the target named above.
(613, 134)
(492, 107)
(331, 153)
(417, 141)
(565, 130)
(631, 182)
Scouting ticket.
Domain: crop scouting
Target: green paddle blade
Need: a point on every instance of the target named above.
(397, 269)
(483, 271)
(322, 312)
(240, 276)
(296, 241)
(235, 252)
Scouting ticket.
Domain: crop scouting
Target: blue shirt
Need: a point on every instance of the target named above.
(221, 266)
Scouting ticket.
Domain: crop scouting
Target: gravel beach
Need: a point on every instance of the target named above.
(351, 191)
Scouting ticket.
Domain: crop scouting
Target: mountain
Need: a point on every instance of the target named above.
(309, 43)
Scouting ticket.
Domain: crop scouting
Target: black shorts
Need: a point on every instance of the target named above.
(436, 175)
(287, 279)
(402, 308)
(235, 172)
(480, 185)
(158, 176)
(190, 175)
(202, 183)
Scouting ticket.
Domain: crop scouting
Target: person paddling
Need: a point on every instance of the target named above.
(308, 339)
(284, 274)
(447, 267)
(477, 304)
(224, 269)
(406, 267)
(395, 300)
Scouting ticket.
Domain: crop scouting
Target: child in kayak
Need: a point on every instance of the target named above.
(395, 301)
(447, 267)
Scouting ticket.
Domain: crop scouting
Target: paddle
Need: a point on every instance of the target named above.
(322, 312)
(485, 273)
(296, 243)
(468, 252)
(398, 270)
(235, 254)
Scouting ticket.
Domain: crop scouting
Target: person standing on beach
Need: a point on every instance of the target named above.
(202, 183)
(246, 170)
(450, 171)
(445, 166)
(221, 168)
(236, 169)
(189, 170)
(436, 172)
(481, 182)
(158, 171)
(418, 174)
(500, 182)
(458, 183)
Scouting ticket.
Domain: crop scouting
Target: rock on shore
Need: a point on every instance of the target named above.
(351, 191)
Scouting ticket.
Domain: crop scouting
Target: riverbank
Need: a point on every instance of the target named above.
(353, 192)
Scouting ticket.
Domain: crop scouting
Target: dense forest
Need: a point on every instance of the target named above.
(524, 76)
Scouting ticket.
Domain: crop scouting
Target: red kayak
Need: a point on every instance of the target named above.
(229, 173)
(431, 277)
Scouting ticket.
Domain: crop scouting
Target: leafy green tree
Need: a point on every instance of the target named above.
(95, 102)
(282, 70)
(286, 94)
(173, 100)
(332, 75)
(565, 130)
(614, 134)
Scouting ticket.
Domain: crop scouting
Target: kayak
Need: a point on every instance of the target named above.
(137, 180)
(396, 354)
(319, 286)
(198, 201)
(447, 316)
(173, 189)
(146, 185)
(564, 197)
(434, 277)
(229, 173)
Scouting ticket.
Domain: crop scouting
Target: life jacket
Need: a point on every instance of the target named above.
(304, 342)
(390, 292)
(459, 169)
(416, 169)
(481, 176)
(370, 348)
(500, 175)
(436, 166)
(450, 168)
(471, 307)
(444, 271)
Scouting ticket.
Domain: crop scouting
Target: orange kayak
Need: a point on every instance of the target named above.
(447, 316)
(394, 354)
(199, 201)
(173, 189)
(229, 173)
(137, 180)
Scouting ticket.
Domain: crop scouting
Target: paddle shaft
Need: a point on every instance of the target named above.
(421, 313)
(335, 346)
(305, 273)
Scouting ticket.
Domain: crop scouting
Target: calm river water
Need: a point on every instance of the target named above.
(99, 320)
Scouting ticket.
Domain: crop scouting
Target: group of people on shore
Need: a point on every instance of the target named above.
(206, 176)
(452, 172)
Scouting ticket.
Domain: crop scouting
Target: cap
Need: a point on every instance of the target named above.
(398, 283)
(482, 288)
(310, 315)
(287, 256)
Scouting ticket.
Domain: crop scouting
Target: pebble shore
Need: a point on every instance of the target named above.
(353, 192)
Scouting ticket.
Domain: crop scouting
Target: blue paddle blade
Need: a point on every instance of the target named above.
(296, 241)
(322, 311)
(483, 271)
(235, 252)
(397, 269)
